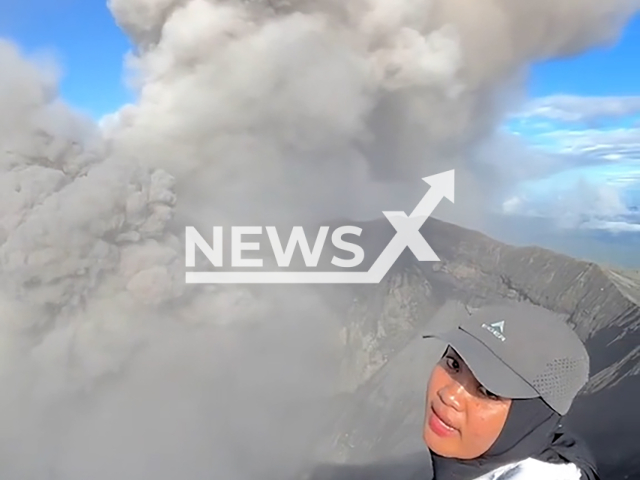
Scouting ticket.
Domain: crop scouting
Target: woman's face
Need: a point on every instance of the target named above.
(462, 418)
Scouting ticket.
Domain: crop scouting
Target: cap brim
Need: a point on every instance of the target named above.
(489, 370)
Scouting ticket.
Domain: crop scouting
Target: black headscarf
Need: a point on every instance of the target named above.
(532, 430)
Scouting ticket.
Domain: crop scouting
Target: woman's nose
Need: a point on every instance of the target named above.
(452, 395)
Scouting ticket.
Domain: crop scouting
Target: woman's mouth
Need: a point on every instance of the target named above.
(439, 426)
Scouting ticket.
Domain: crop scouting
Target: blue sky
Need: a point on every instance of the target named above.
(85, 41)
(90, 47)
(583, 104)
(601, 71)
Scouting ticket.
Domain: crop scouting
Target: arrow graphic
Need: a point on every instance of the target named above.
(407, 235)
(408, 228)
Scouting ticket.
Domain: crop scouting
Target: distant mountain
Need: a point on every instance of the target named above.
(386, 363)
(606, 246)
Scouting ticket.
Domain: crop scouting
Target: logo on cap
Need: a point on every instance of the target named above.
(497, 329)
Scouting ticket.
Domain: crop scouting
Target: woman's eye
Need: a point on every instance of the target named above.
(452, 363)
(488, 394)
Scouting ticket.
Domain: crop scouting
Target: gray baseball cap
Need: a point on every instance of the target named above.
(522, 351)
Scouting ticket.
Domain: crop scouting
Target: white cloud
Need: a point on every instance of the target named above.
(580, 109)
(613, 226)
(575, 203)
(608, 145)
(597, 186)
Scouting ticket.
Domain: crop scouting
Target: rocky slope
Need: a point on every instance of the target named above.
(386, 362)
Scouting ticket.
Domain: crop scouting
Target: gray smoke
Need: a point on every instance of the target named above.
(247, 112)
(111, 367)
(299, 108)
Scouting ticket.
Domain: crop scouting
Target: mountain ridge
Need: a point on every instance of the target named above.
(385, 360)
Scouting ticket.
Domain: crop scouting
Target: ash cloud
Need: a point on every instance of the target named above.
(110, 366)
(283, 105)
(247, 111)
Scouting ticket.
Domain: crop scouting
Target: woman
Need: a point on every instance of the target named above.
(495, 400)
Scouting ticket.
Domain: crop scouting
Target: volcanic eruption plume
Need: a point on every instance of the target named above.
(246, 112)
